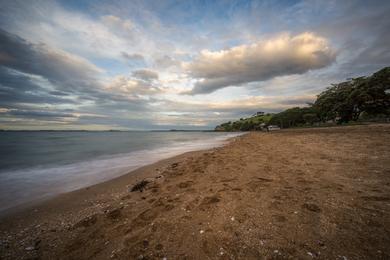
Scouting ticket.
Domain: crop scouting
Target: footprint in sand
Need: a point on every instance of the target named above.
(312, 207)
(228, 180)
(209, 201)
(280, 218)
(87, 222)
(375, 198)
(114, 214)
(185, 184)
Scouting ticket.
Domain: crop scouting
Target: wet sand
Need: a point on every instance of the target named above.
(319, 193)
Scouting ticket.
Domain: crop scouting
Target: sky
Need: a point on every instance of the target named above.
(148, 65)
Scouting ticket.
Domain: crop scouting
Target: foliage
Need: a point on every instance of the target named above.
(245, 124)
(346, 101)
(363, 98)
(294, 117)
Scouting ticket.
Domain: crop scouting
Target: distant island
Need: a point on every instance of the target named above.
(362, 99)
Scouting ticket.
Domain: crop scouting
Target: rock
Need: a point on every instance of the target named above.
(30, 248)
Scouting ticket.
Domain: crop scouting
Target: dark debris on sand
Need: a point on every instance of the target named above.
(140, 186)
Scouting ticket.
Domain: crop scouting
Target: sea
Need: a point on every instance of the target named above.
(35, 165)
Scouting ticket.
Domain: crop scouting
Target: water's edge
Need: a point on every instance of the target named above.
(80, 175)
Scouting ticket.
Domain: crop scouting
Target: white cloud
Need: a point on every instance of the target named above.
(132, 86)
(282, 55)
(117, 23)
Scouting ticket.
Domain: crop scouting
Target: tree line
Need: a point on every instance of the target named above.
(357, 99)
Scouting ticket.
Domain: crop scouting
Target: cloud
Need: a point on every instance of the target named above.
(145, 74)
(20, 88)
(65, 70)
(282, 55)
(117, 23)
(241, 106)
(166, 61)
(36, 74)
(37, 113)
(133, 86)
(134, 57)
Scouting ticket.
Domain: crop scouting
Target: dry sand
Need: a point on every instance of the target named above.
(308, 193)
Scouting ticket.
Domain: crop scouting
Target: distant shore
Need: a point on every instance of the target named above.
(297, 193)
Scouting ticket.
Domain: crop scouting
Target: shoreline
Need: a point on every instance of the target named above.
(115, 172)
(142, 172)
(298, 193)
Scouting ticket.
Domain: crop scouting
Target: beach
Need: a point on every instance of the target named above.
(320, 193)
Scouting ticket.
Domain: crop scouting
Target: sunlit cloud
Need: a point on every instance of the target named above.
(283, 55)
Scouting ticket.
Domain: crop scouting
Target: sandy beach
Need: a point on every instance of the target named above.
(320, 193)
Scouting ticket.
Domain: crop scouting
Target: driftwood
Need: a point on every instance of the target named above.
(140, 186)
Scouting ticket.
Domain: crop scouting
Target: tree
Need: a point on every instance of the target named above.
(342, 102)
(310, 118)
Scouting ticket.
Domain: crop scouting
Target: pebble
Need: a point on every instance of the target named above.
(30, 248)
(202, 231)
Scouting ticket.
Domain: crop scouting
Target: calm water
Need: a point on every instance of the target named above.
(34, 165)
